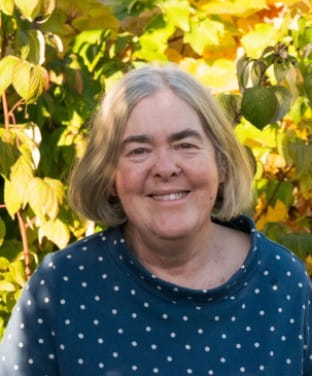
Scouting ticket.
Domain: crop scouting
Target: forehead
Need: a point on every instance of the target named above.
(162, 113)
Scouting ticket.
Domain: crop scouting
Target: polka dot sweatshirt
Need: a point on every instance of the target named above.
(94, 310)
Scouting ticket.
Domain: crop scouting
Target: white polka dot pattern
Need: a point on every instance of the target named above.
(92, 309)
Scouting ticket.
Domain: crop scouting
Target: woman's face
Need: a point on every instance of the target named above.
(167, 176)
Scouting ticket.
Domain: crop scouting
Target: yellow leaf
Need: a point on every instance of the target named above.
(29, 8)
(240, 8)
(21, 175)
(43, 196)
(258, 39)
(56, 231)
(11, 198)
(220, 76)
(7, 65)
(279, 213)
(308, 262)
(7, 7)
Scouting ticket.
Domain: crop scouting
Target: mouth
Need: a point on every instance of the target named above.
(174, 196)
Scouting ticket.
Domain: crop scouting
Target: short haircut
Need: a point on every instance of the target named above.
(92, 180)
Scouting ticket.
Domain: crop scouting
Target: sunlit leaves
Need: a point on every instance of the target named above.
(29, 8)
(239, 8)
(257, 39)
(28, 80)
(7, 65)
(220, 75)
(7, 7)
(45, 196)
(152, 44)
(20, 177)
(177, 12)
(56, 231)
(277, 213)
(204, 33)
(12, 199)
(34, 50)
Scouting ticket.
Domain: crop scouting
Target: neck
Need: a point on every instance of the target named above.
(192, 261)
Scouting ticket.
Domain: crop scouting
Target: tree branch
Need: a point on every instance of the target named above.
(22, 227)
(5, 111)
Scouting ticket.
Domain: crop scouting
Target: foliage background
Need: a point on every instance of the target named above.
(58, 58)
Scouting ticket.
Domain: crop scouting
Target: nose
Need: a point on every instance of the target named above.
(165, 165)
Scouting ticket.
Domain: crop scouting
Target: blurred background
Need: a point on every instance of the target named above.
(57, 58)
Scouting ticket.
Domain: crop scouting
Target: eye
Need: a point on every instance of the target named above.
(185, 145)
(138, 151)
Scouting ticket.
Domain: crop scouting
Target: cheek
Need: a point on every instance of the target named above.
(127, 182)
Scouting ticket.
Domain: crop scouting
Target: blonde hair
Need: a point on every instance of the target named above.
(92, 181)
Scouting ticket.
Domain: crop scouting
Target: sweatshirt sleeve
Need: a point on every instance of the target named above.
(307, 367)
(28, 346)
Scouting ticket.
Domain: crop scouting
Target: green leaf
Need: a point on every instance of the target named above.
(204, 33)
(280, 70)
(4, 264)
(46, 9)
(7, 65)
(177, 12)
(2, 231)
(36, 44)
(8, 152)
(307, 84)
(257, 70)
(29, 8)
(231, 104)
(299, 153)
(298, 243)
(42, 198)
(56, 231)
(97, 16)
(242, 71)
(58, 188)
(28, 80)
(7, 7)
(21, 175)
(284, 99)
(11, 248)
(153, 42)
(17, 271)
(12, 199)
(259, 105)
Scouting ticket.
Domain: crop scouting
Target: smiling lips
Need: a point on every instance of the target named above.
(169, 196)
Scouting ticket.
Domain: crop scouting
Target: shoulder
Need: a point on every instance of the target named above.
(273, 258)
(286, 265)
(86, 254)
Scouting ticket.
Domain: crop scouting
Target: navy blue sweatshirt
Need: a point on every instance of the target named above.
(94, 310)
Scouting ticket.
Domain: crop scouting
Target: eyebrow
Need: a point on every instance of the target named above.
(142, 138)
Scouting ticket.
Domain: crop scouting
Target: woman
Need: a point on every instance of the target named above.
(180, 284)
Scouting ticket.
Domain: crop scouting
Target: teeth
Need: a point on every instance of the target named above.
(169, 197)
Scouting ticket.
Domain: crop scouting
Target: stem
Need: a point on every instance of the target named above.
(2, 206)
(22, 227)
(270, 200)
(18, 103)
(5, 111)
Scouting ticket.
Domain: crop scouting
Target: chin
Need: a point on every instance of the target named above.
(174, 233)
